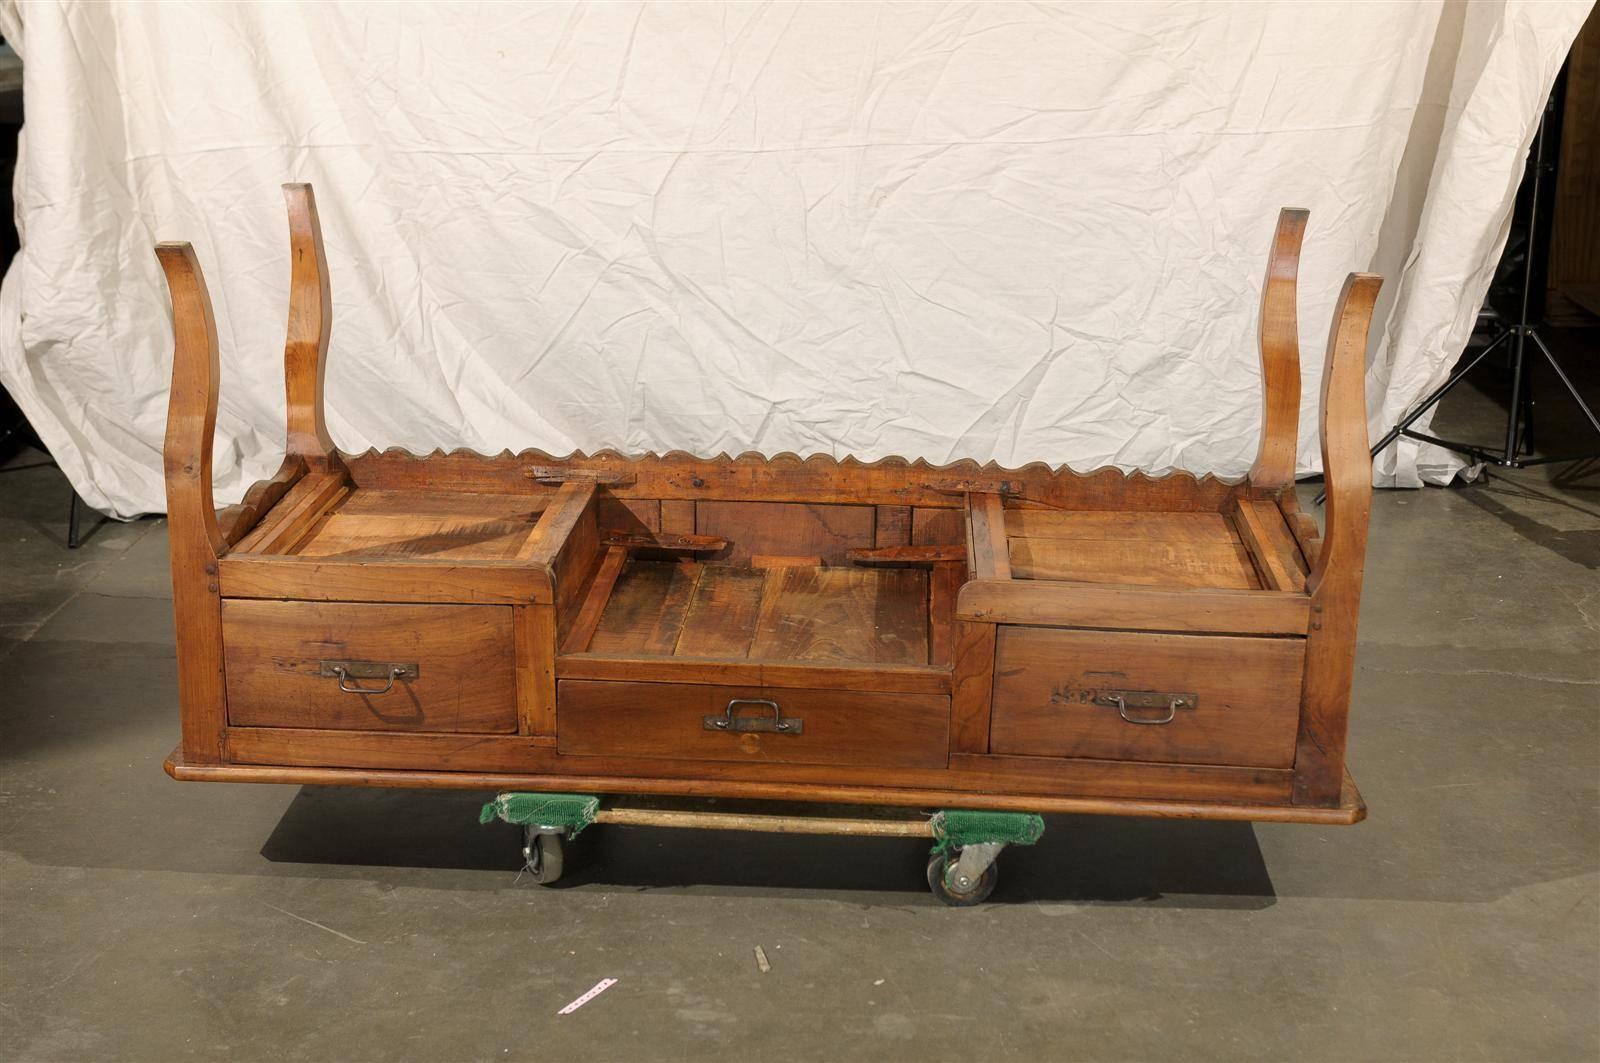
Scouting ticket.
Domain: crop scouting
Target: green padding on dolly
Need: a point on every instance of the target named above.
(957, 828)
(571, 811)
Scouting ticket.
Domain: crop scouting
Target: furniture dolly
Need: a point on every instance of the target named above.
(892, 633)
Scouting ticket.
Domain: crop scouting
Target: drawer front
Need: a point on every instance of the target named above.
(613, 719)
(1056, 694)
(277, 655)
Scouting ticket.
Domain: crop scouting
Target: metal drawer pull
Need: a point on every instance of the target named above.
(1123, 700)
(358, 670)
(730, 720)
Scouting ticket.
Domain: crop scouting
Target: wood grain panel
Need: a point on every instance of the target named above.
(786, 529)
(822, 614)
(1057, 604)
(1150, 564)
(667, 720)
(1090, 524)
(464, 655)
(256, 747)
(721, 620)
(1261, 526)
(647, 608)
(938, 527)
(1018, 782)
(1046, 682)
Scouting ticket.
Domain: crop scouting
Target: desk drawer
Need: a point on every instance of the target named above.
(619, 719)
(1056, 694)
(281, 658)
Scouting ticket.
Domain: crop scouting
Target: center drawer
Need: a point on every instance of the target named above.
(759, 724)
(1112, 695)
(284, 660)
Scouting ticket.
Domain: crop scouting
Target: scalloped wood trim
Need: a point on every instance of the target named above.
(239, 519)
(791, 478)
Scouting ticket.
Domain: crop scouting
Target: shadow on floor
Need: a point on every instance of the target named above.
(1173, 863)
(1510, 502)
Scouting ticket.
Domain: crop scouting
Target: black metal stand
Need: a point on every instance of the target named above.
(72, 519)
(1522, 331)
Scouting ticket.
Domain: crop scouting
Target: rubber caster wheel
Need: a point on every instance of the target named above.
(544, 856)
(939, 863)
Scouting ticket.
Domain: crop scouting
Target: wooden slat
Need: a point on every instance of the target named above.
(812, 481)
(765, 561)
(1152, 564)
(908, 555)
(555, 474)
(240, 520)
(1048, 603)
(820, 614)
(572, 503)
(534, 633)
(943, 585)
(475, 506)
(653, 623)
(1162, 527)
(1018, 782)
(292, 519)
(972, 693)
(1302, 526)
(1262, 528)
(667, 541)
(582, 627)
(745, 672)
(410, 580)
(721, 620)
(1351, 808)
(987, 555)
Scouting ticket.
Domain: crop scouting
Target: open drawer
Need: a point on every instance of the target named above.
(357, 666)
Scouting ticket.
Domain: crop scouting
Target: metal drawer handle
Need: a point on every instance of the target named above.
(1123, 700)
(730, 720)
(358, 670)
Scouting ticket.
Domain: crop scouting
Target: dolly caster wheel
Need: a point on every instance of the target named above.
(543, 854)
(954, 887)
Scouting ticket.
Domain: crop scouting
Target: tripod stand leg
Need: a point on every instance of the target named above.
(1566, 381)
(1519, 372)
(1428, 403)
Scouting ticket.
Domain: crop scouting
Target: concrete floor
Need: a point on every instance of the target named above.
(143, 919)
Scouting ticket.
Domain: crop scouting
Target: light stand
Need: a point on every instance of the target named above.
(1521, 331)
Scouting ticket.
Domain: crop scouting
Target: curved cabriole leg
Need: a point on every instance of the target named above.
(195, 539)
(1280, 357)
(305, 348)
(1335, 580)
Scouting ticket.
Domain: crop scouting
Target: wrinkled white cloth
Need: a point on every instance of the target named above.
(1018, 232)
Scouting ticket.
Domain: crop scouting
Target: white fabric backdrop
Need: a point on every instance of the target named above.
(1014, 232)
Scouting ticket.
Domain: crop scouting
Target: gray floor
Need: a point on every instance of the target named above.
(142, 919)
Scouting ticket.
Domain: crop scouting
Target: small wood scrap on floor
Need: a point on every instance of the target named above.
(761, 960)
